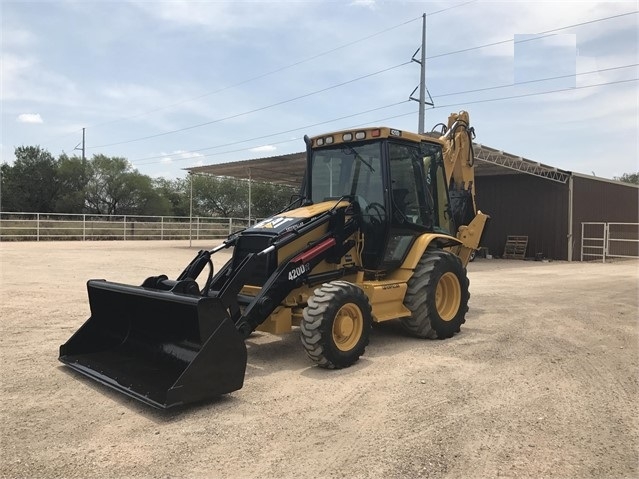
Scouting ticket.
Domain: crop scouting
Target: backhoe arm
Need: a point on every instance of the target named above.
(459, 162)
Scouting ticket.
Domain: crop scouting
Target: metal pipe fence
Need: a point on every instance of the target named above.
(88, 227)
(609, 240)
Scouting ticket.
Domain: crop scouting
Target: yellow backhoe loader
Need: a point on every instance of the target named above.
(382, 230)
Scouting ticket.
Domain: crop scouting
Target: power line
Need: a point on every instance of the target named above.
(413, 113)
(277, 142)
(286, 67)
(306, 95)
(64, 135)
(504, 98)
(263, 75)
(535, 94)
(536, 81)
(544, 35)
(274, 143)
(347, 82)
(306, 127)
(448, 8)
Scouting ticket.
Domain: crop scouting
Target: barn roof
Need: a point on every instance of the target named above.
(289, 169)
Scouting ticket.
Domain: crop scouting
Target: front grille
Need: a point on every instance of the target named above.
(265, 265)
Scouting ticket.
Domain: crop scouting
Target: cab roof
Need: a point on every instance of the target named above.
(370, 133)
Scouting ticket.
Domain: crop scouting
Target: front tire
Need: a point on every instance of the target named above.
(437, 296)
(336, 325)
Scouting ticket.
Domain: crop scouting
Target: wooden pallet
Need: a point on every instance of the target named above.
(516, 247)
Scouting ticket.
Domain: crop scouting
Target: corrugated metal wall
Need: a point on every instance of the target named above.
(522, 204)
(601, 201)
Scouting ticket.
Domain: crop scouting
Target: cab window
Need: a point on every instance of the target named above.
(411, 200)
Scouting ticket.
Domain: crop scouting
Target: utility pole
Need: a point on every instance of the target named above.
(83, 149)
(423, 91)
(422, 79)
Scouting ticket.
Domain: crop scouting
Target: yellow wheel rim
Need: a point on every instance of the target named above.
(348, 327)
(448, 296)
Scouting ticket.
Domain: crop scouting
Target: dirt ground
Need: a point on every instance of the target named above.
(541, 382)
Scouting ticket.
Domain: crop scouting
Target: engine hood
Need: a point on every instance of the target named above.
(293, 219)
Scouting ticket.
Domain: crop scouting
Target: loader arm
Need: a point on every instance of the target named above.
(295, 270)
(168, 343)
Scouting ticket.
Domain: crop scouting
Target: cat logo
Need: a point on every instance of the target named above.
(271, 223)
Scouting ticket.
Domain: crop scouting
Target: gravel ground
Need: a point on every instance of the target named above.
(541, 382)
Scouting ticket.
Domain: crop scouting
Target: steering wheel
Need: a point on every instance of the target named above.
(378, 210)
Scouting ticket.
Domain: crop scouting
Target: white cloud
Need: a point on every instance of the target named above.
(179, 155)
(16, 37)
(264, 149)
(30, 118)
(364, 3)
(129, 91)
(25, 78)
(224, 17)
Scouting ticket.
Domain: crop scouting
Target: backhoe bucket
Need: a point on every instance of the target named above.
(160, 347)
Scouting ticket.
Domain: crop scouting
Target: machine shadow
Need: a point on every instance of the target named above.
(269, 354)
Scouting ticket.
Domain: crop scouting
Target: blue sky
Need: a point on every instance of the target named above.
(169, 85)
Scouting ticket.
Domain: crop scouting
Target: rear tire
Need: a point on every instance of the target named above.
(437, 296)
(336, 325)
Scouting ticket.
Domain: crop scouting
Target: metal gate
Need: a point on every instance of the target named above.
(609, 240)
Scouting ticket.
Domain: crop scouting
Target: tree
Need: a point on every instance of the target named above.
(176, 193)
(226, 197)
(267, 198)
(105, 185)
(73, 174)
(115, 188)
(143, 199)
(629, 178)
(31, 184)
(4, 170)
(37, 182)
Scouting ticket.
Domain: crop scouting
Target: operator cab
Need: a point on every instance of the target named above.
(395, 180)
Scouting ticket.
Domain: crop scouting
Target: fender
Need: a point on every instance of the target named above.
(421, 243)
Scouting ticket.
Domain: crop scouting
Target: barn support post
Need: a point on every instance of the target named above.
(249, 196)
(191, 212)
(570, 213)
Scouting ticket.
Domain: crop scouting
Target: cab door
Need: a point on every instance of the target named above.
(411, 199)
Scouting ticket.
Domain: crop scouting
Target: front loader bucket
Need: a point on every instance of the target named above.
(159, 347)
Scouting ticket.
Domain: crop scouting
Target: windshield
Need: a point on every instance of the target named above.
(347, 170)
